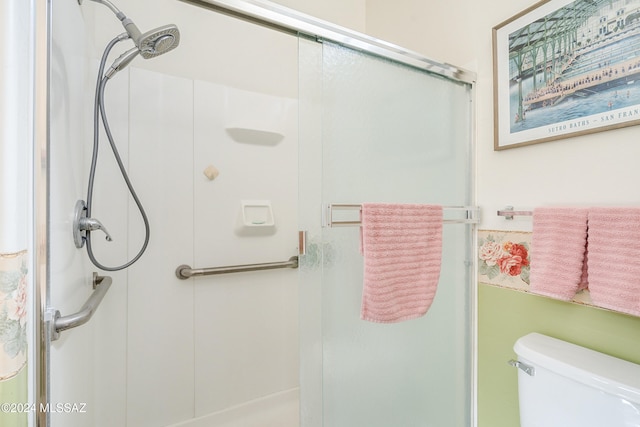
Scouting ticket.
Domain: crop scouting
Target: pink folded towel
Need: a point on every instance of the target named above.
(402, 248)
(614, 269)
(558, 249)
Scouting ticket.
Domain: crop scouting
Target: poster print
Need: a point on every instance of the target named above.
(566, 68)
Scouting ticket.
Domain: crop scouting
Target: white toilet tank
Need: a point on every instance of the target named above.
(572, 386)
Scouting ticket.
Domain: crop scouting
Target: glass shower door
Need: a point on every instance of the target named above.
(372, 130)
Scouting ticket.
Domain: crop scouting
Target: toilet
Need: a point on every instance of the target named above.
(565, 385)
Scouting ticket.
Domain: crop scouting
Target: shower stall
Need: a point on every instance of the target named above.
(255, 141)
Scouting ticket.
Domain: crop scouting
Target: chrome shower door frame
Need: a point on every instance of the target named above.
(41, 45)
(285, 19)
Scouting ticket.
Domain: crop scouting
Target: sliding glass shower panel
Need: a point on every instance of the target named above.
(388, 133)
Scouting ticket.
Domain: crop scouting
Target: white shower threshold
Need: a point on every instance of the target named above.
(275, 410)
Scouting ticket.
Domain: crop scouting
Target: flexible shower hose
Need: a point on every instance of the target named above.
(99, 113)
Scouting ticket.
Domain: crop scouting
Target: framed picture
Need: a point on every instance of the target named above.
(566, 68)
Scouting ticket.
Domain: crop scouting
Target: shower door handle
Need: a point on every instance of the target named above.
(302, 242)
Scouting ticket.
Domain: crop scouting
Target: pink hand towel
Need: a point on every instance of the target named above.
(614, 270)
(558, 249)
(402, 248)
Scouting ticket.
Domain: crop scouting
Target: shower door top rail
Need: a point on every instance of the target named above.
(184, 271)
(471, 215)
(283, 18)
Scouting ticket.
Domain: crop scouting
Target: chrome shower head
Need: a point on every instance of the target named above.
(152, 43)
(148, 45)
(158, 41)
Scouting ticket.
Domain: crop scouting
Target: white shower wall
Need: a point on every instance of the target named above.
(72, 357)
(162, 351)
(203, 345)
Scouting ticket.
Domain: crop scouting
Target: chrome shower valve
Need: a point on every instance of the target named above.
(82, 225)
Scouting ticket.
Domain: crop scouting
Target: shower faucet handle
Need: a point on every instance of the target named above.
(92, 224)
(82, 225)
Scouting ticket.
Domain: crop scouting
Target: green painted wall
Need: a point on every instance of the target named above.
(14, 391)
(504, 315)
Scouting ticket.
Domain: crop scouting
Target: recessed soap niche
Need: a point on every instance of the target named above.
(256, 218)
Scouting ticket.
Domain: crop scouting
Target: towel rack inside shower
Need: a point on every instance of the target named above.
(184, 271)
(467, 215)
(508, 213)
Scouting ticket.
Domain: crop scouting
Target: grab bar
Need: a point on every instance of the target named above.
(184, 271)
(101, 285)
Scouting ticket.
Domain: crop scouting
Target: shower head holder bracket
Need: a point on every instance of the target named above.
(110, 5)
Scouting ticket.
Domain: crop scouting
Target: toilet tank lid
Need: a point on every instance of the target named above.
(598, 370)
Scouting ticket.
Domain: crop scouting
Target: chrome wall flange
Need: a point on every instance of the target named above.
(79, 235)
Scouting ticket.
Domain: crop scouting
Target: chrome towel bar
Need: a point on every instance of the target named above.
(471, 214)
(184, 271)
(101, 285)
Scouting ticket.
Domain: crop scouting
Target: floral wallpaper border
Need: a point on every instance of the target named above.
(504, 260)
(13, 314)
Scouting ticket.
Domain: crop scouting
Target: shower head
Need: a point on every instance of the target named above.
(122, 61)
(155, 42)
(152, 43)
(158, 41)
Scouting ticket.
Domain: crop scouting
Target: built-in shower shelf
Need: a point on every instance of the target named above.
(254, 136)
